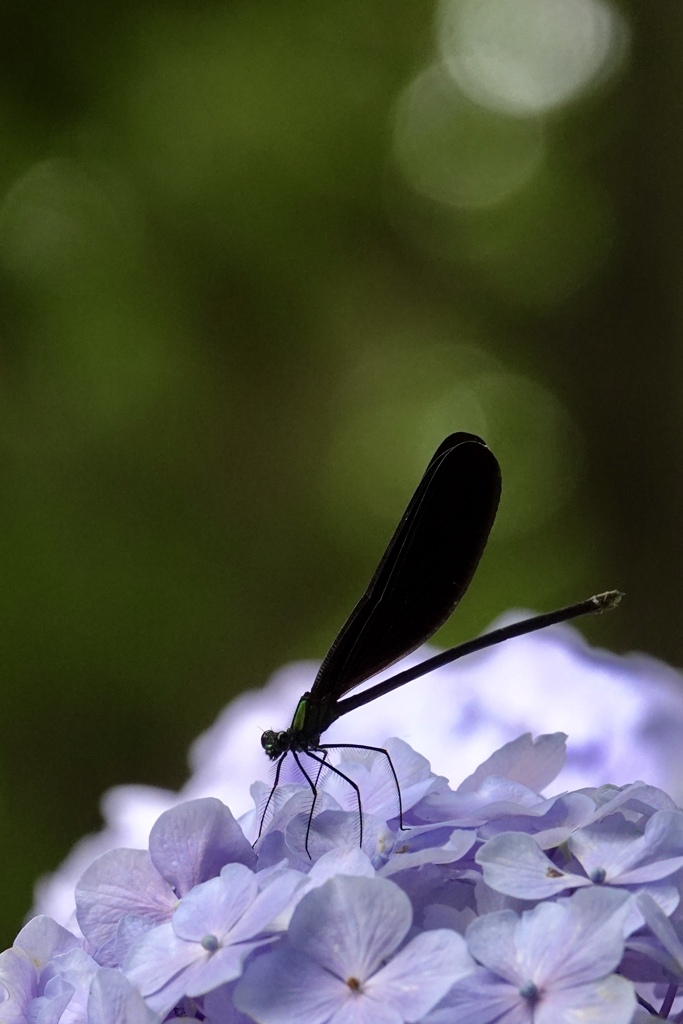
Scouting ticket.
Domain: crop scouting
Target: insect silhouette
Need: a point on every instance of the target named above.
(421, 578)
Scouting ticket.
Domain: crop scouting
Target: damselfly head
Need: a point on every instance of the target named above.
(275, 743)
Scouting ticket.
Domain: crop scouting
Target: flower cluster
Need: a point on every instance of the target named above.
(490, 903)
(624, 715)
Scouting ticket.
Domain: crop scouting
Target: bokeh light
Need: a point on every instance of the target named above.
(540, 452)
(457, 152)
(528, 57)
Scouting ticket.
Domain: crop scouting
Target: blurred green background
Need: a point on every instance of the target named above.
(257, 258)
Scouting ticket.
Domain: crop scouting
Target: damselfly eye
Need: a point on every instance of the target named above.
(267, 740)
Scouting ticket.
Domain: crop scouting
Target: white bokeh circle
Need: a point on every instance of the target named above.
(527, 57)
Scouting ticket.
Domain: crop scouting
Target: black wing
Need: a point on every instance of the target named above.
(424, 571)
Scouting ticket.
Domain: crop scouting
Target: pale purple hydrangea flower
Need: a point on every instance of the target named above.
(624, 715)
(422, 925)
(613, 851)
(554, 964)
(340, 961)
(211, 933)
(495, 902)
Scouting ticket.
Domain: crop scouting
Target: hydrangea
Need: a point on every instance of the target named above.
(624, 716)
(494, 902)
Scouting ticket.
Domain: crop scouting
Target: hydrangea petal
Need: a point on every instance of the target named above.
(347, 860)
(610, 845)
(223, 966)
(479, 998)
(422, 972)
(371, 772)
(113, 1000)
(288, 988)
(662, 928)
(364, 1009)
(219, 1007)
(118, 883)
(609, 1001)
(496, 797)
(18, 986)
(532, 762)
(156, 958)
(129, 931)
(51, 1008)
(215, 906)
(71, 974)
(652, 872)
(297, 801)
(331, 829)
(266, 909)
(637, 796)
(594, 919)
(551, 823)
(513, 864)
(190, 843)
(365, 919)
(491, 940)
(42, 939)
(458, 844)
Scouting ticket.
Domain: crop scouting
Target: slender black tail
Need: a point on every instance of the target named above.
(592, 606)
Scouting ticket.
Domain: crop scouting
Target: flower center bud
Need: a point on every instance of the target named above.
(210, 943)
(529, 992)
